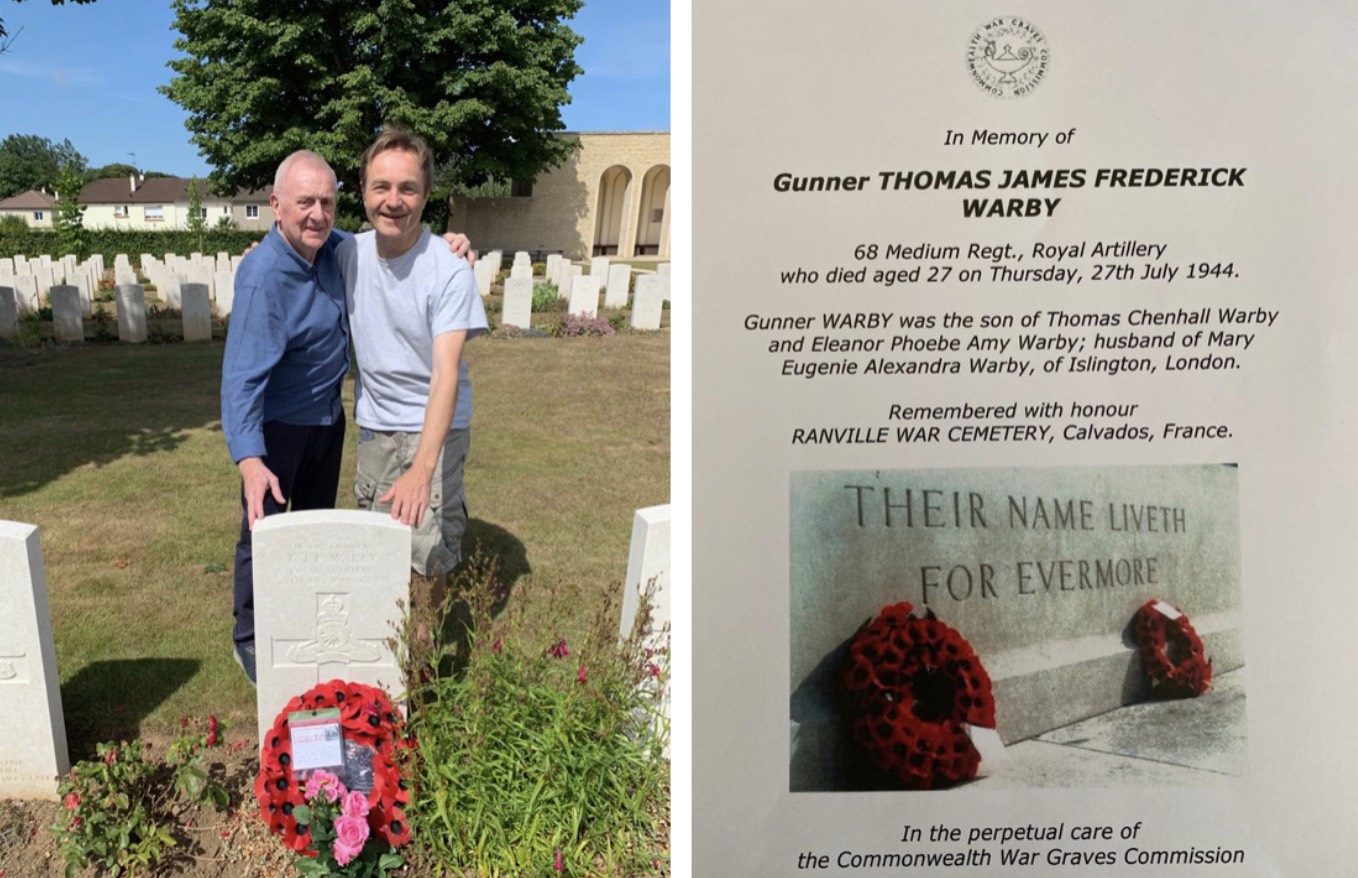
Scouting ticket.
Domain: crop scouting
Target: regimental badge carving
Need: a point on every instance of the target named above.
(7, 670)
(1008, 56)
(335, 641)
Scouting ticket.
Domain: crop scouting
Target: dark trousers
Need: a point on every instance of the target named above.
(306, 461)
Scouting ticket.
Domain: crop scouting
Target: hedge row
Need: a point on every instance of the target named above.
(111, 242)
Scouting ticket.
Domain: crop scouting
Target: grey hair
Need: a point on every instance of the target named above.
(302, 155)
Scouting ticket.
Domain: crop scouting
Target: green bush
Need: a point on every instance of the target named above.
(111, 242)
(546, 298)
(541, 757)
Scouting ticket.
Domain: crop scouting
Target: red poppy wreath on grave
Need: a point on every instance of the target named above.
(371, 732)
(1171, 650)
(914, 687)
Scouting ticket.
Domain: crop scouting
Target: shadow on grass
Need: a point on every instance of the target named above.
(108, 700)
(94, 404)
(493, 552)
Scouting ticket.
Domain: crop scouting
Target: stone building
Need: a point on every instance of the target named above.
(610, 198)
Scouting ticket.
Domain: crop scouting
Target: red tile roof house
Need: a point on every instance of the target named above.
(35, 208)
(163, 203)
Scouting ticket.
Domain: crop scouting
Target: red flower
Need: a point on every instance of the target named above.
(559, 650)
(111, 757)
(560, 865)
(498, 645)
(581, 676)
(653, 668)
(72, 801)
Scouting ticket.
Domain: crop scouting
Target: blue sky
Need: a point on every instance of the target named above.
(88, 73)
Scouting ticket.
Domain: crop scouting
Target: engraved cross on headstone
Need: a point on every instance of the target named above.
(335, 645)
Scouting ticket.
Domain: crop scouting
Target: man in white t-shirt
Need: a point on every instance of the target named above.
(412, 307)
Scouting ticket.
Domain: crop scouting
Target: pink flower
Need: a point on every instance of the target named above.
(355, 804)
(559, 650)
(498, 645)
(350, 834)
(560, 865)
(111, 757)
(653, 668)
(581, 676)
(322, 781)
(72, 801)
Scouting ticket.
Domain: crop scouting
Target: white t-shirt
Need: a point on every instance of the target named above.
(396, 309)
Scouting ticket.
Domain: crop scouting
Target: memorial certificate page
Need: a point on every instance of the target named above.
(1024, 410)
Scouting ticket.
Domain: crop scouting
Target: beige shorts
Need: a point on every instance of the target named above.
(436, 545)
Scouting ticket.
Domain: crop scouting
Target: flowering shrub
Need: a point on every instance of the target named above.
(545, 756)
(579, 324)
(116, 815)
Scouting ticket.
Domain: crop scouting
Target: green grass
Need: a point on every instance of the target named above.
(115, 452)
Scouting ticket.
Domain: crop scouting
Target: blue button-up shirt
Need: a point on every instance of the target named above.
(287, 345)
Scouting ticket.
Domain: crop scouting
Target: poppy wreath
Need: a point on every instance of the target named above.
(367, 717)
(1171, 651)
(914, 685)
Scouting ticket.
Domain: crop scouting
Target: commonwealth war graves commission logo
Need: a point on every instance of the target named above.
(1008, 57)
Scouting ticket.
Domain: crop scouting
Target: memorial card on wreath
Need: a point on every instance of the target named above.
(1025, 392)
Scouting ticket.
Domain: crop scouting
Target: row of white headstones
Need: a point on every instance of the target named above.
(329, 585)
(195, 284)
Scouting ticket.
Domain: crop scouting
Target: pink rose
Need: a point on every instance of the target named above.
(72, 801)
(355, 804)
(322, 781)
(350, 834)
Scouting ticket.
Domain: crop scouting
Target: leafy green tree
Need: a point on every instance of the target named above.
(6, 39)
(197, 224)
(117, 169)
(482, 80)
(31, 162)
(70, 214)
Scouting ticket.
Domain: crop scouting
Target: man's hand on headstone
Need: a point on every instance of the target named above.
(256, 479)
(409, 497)
(460, 245)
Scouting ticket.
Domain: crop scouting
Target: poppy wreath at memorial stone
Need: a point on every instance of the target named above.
(1171, 650)
(914, 688)
(371, 729)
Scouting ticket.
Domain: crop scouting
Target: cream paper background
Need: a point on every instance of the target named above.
(856, 88)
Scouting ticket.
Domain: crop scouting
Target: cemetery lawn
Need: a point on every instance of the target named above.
(115, 452)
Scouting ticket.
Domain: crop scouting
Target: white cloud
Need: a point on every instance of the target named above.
(58, 76)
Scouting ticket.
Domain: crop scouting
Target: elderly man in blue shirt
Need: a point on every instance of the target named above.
(287, 353)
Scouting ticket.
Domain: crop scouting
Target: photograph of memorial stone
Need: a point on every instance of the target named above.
(984, 629)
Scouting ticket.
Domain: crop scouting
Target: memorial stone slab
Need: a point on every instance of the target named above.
(584, 297)
(598, 267)
(497, 262)
(647, 306)
(484, 277)
(521, 257)
(235, 263)
(145, 260)
(1040, 570)
(131, 313)
(6, 267)
(518, 304)
(66, 314)
(226, 292)
(327, 586)
(45, 277)
(196, 308)
(171, 291)
(568, 275)
(20, 264)
(648, 575)
(26, 294)
(553, 265)
(619, 279)
(32, 728)
(521, 272)
(45, 260)
(9, 312)
(123, 274)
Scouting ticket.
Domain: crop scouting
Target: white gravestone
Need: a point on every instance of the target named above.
(584, 296)
(484, 276)
(615, 293)
(521, 272)
(66, 319)
(9, 313)
(327, 587)
(648, 572)
(171, 290)
(197, 312)
(521, 257)
(647, 305)
(131, 313)
(32, 727)
(568, 275)
(552, 267)
(6, 267)
(598, 267)
(26, 294)
(226, 292)
(518, 304)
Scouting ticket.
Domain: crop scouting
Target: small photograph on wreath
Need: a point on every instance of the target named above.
(987, 629)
